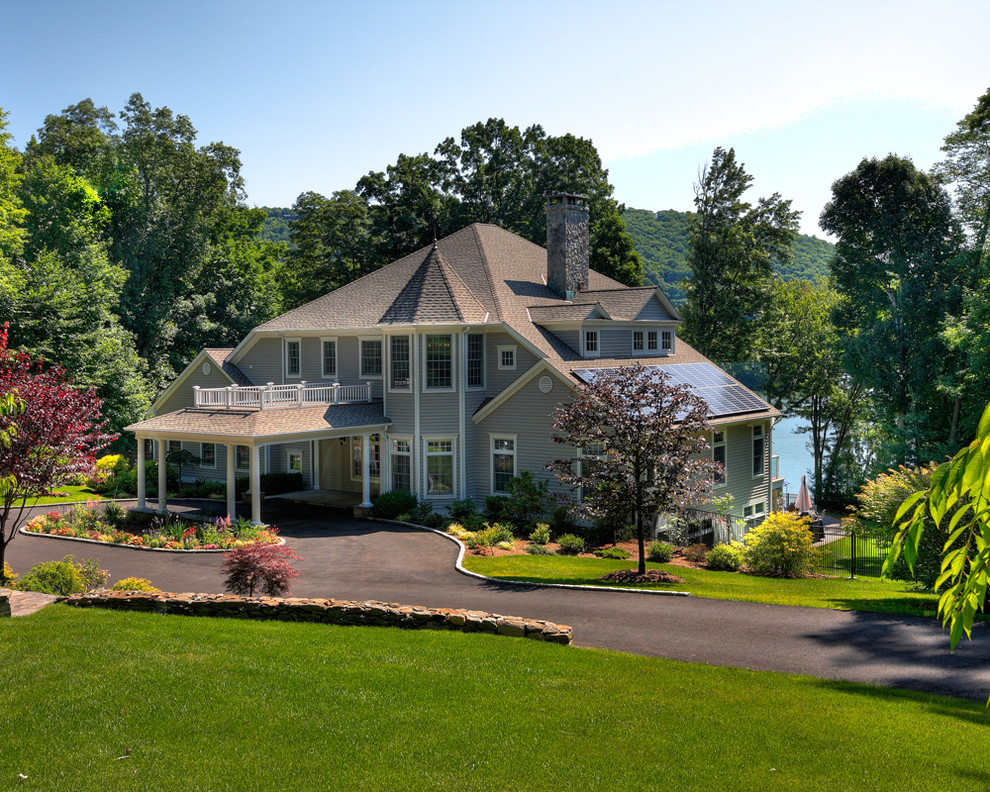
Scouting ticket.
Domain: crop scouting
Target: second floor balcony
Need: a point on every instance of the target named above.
(272, 396)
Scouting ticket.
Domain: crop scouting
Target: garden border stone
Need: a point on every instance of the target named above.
(326, 611)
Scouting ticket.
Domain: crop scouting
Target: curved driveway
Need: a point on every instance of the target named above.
(360, 560)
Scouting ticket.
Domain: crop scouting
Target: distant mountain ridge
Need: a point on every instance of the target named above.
(662, 240)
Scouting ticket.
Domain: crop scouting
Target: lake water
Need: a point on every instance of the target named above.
(792, 448)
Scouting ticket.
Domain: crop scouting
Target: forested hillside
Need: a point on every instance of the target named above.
(662, 240)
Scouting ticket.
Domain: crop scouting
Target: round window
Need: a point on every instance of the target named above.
(546, 384)
(207, 368)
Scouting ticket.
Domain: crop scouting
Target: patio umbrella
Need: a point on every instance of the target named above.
(803, 502)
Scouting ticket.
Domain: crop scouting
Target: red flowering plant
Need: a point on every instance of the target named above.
(50, 431)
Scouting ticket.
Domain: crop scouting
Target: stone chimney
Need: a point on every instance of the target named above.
(567, 244)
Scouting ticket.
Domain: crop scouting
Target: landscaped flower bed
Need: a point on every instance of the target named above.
(114, 525)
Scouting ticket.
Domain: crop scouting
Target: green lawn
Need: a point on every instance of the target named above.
(862, 594)
(72, 494)
(96, 700)
(870, 555)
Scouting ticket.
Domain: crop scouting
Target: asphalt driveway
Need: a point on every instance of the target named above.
(346, 558)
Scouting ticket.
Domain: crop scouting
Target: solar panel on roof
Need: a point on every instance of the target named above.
(723, 394)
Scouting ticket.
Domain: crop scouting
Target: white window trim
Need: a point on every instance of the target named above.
(491, 459)
(412, 340)
(588, 353)
(453, 368)
(484, 377)
(427, 439)
(642, 341)
(237, 466)
(656, 340)
(725, 452)
(673, 340)
(507, 348)
(288, 460)
(285, 347)
(752, 443)
(204, 464)
(355, 443)
(409, 454)
(336, 357)
(361, 343)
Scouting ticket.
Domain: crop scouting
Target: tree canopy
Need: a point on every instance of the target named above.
(732, 246)
(640, 437)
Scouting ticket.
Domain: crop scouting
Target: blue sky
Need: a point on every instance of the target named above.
(316, 94)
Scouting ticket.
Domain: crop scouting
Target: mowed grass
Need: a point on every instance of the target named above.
(71, 494)
(96, 700)
(861, 594)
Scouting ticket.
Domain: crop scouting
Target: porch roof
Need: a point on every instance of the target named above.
(267, 426)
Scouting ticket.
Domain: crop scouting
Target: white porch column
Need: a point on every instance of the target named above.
(314, 457)
(231, 480)
(141, 485)
(256, 485)
(365, 471)
(162, 476)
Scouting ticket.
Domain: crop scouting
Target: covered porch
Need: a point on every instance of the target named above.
(256, 431)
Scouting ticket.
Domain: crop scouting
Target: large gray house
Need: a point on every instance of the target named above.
(438, 373)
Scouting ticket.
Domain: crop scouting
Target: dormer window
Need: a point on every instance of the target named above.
(591, 343)
(293, 365)
(652, 341)
(637, 341)
(667, 340)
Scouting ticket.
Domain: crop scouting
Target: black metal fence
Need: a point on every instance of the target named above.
(839, 553)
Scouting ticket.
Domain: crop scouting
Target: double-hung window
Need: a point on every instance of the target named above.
(208, 455)
(293, 361)
(401, 464)
(329, 357)
(399, 363)
(638, 345)
(242, 459)
(718, 455)
(503, 461)
(475, 360)
(294, 462)
(667, 340)
(371, 357)
(591, 343)
(758, 451)
(652, 340)
(439, 362)
(440, 468)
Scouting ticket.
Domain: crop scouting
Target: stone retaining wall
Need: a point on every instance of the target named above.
(329, 611)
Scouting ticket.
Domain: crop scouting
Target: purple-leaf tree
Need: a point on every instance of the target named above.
(640, 439)
(262, 567)
(50, 431)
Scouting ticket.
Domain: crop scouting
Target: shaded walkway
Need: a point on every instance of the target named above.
(356, 559)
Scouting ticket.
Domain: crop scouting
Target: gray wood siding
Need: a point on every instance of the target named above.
(438, 413)
(570, 337)
(218, 473)
(262, 363)
(402, 412)
(335, 471)
(654, 311)
(615, 342)
(183, 395)
(497, 381)
(527, 416)
(280, 459)
(740, 483)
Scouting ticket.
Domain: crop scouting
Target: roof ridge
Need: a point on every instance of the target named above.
(487, 269)
(445, 270)
(455, 276)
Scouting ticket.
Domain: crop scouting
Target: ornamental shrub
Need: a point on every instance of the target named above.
(537, 549)
(389, 505)
(780, 546)
(725, 557)
(7, 576)
(540, 534)
(264, 568)
(570, 544)
(529, 500)
(696, 552)
(465, 512)
(612, 552)
(60, 578)
(133, 584)
(660, 552)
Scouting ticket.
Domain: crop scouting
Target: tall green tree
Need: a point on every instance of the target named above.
(12, 213)
(733, 245)
(62, 294)
(897, 272)
(331, 244)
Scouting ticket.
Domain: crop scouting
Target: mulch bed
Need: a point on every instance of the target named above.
(632, 576)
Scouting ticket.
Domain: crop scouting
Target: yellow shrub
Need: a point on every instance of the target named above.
(134, 584)
(781, 545)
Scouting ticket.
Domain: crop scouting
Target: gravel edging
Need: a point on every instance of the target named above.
(459, 566)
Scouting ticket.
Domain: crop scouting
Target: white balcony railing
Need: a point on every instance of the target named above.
(272, 396)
